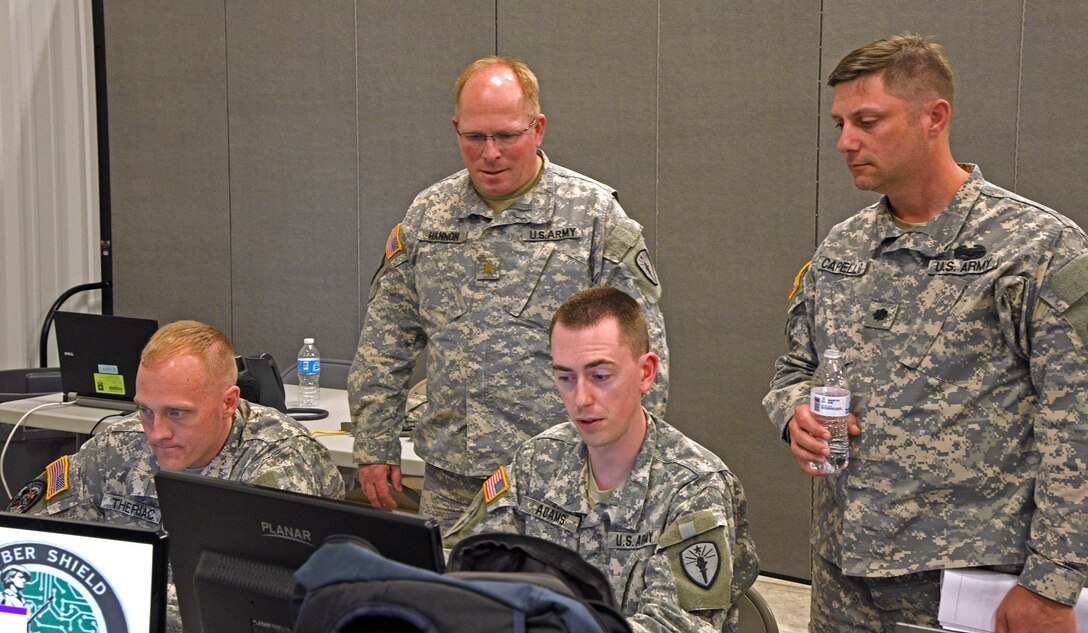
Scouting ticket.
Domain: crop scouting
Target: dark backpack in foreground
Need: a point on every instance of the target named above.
(350, 588)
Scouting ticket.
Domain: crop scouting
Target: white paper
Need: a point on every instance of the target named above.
(970, 597)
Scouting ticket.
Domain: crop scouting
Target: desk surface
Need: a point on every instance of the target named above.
(79, 419)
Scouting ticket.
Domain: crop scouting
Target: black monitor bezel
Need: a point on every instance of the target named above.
(156, 538)
(223, 520)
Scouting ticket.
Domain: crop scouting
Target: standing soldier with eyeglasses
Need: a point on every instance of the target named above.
(474, 272)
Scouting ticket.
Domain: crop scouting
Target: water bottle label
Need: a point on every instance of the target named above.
(829, 406)
(309, 365)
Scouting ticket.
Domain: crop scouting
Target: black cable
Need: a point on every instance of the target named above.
(100, 421)
(306, 414)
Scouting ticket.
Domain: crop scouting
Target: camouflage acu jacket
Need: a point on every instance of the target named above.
(673, 538)
(965, 347)
(478, 289)
(111, 478)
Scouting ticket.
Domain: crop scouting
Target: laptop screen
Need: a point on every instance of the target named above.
(61, 575)
(99, 355)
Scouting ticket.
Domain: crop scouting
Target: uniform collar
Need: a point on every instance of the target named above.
(623, 505)
(234, 440)
(535, 207)
(937, 235)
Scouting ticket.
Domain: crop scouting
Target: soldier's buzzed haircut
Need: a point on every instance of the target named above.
(912, 67)
(204, 341)
(530, 87)
(592, 305)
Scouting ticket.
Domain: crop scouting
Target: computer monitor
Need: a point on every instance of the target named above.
(61, 575)
(234, 547)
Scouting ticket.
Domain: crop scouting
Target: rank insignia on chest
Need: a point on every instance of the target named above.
(881, 315)
(487, 268)
(56, 477)
(496, 485)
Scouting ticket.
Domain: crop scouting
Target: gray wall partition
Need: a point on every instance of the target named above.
(262, 150)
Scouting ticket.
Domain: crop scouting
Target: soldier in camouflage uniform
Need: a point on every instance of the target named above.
(962, 312)
(474, 272)
(189, 416)
(660, 515)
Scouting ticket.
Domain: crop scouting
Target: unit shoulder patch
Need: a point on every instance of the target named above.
(700, 559)
(27, 497)
(701, 562)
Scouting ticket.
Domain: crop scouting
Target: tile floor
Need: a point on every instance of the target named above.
(789, 602)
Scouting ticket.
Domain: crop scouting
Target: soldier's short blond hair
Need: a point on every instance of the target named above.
(206, 342)
(912, 67)
(589, 307)
(530, 87)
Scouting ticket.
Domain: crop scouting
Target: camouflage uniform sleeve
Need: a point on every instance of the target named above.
(481, 516)
(704, 561)
(302, 465)
(627, 265)
(1057, 560)
(80, 499)
(794, 369)
(391, 339)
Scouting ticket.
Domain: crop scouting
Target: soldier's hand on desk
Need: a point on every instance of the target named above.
(375, 480)
(807, 437)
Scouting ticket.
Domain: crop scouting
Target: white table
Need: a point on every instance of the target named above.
(80, 419)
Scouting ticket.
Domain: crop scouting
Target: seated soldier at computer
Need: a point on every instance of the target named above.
(189, 416)
(659, 514)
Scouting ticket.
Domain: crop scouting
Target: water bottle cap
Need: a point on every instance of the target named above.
(832, 353)
(310, 341)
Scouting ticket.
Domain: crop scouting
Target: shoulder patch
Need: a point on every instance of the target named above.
(393, 245)
(642, 260)
(57, 477)
(797, 280)
(496, 485)
(27, 497)
(700, 560)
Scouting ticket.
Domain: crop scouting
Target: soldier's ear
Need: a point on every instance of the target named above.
(230, 400)
(648, 364)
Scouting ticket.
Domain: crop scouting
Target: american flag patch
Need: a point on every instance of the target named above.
(393, 245)
(57, 474)
(495, 485)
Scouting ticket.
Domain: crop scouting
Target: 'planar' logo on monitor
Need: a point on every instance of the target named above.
(48, 588)
(275, 530)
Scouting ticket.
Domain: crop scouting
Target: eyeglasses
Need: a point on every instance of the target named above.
(502, 139)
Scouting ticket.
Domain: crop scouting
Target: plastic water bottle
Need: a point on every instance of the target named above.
(830, 404)
(309, 374)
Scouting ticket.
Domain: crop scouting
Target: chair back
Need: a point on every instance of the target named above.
(755, 614)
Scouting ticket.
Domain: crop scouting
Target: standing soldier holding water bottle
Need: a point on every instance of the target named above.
(961, 310)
